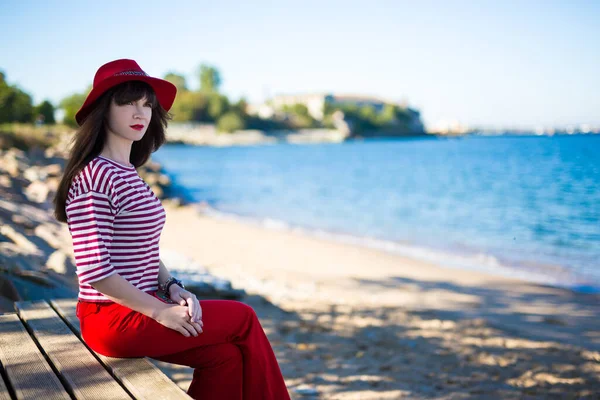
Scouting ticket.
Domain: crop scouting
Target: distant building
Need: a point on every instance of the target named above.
(315, 103)
(451, 127)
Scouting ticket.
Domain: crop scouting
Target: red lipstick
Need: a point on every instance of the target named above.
(137, 127)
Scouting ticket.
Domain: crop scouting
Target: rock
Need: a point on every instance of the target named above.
(164, 180)
(52, 184)
(32, 212)
(14, 161)
(19, 239)
(173, 202)
(157, 191)
(60, 263)
(35, 174)
(16, 154)
(51, 152)
(305, 390)
(53, 170)
(206, 290)
(554, 321)
(5, 181)
(11, 166)
(36, 153)
(35, 277)
(37, 192)
(23, 221)
(7, 289)
(45, 232)
(15, 258)
(151, 179)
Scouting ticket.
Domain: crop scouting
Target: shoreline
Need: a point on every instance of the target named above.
(444, 258)
(197, 211)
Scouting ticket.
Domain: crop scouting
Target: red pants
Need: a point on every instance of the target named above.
(232, 358)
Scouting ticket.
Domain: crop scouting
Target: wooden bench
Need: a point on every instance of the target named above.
(43, 357)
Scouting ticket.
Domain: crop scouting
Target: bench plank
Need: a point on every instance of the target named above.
(82, 373)
(29, 373)
(142, 378)
(4, 394)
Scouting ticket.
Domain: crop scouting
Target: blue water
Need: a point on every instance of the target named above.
(527, 207)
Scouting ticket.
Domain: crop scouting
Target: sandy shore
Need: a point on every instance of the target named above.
(352, 322)
(345, 322)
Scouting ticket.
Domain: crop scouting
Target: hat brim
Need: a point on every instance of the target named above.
(165, 92)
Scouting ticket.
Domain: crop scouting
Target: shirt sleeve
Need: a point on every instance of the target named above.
(90, 217)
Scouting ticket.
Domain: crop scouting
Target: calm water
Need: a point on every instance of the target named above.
(519, 206)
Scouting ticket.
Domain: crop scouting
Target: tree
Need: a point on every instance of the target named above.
(299, 116)
(230, 122)
(210, 78)
(5, 93)
(190, 106)
(22, 106)
(404, 115)
(387, 116)
(217, 106)
(368, 113)
(70, 105)
(240, 107)
(46, 110)
(15, 104)
(177, 80)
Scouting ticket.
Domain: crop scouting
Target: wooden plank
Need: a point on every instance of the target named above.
(142, 378)
(83, 375)
(4, 393)
(30, 375)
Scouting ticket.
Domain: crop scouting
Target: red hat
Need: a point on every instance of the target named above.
(119, 71)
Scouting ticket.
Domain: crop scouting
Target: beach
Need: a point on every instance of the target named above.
(345, 321)
(349, 322)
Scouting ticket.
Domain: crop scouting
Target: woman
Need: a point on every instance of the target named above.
(115, 221)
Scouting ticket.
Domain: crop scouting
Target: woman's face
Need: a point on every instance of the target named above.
(129, 121)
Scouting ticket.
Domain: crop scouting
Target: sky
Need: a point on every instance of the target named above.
(481, 63)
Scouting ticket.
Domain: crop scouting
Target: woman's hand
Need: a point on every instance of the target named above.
(176, 317)
(185, 298)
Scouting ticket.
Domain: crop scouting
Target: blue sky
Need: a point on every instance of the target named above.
(482, 63)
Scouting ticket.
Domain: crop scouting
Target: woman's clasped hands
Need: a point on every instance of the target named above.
(186, 316)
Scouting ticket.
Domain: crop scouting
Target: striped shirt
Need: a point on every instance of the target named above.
(115, 221)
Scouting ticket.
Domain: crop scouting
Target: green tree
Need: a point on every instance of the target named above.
(70, 105)
(387, 116)
(46, 110)
(299, 117)
(240, 107)
(404, 115)
(190, 106)
(22, 106)
(210, 78)
(217, 106)
(368, 113)
(230, 122)
(177, 80)
(15, 104)
(4, 94)
(328, 109)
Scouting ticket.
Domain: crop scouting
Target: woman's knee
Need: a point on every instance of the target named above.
(246, 309)
(230, 353)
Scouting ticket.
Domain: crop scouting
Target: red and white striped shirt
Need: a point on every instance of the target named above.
(115, 221)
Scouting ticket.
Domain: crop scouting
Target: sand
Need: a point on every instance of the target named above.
(349, 322)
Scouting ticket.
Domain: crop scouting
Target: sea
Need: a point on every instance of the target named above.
(521, 206)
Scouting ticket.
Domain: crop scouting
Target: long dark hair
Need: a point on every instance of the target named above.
(90, 138)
